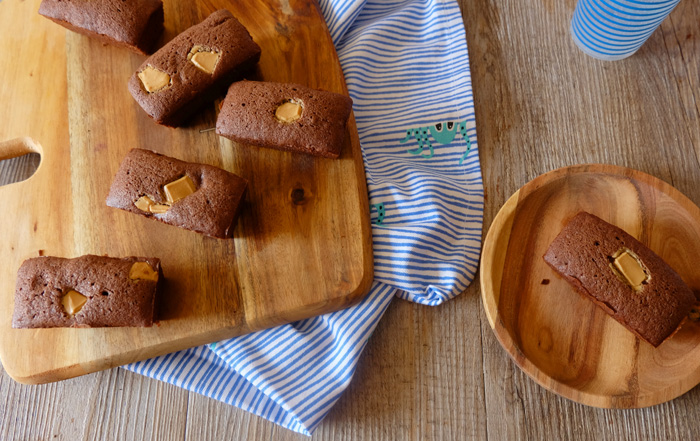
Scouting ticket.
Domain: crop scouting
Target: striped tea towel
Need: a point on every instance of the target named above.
(407, 70)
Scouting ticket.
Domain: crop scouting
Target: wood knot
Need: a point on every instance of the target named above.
(298, 196)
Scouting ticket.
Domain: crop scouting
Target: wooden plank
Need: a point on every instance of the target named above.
(292, 257)
(114, 404)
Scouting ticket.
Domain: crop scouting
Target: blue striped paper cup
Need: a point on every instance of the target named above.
(615, 29)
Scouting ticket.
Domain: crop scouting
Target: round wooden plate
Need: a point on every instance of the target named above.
(562, 340)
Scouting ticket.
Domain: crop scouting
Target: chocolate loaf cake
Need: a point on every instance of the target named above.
(286, 117)
(622, 276)
(196, 197)
(134, 24)
(193, 68)
(86, 292)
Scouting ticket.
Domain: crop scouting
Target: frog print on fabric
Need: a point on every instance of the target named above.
(442, 133)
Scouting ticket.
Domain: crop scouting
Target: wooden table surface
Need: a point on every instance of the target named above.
(439, 373)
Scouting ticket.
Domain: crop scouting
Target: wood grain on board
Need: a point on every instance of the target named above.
(302, 246)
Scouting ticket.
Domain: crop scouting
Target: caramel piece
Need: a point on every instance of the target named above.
(144, 203)
(204, 58)
(73, 302)
(288, 111)
(142, 271)
(154, 80)
(159, 208)
(179, 189)
(628, 265)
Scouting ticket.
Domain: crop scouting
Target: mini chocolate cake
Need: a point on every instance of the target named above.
(622, 276)
(286, 117)
(193, 68)
(134, 24)
(86, 292)
(196, 197)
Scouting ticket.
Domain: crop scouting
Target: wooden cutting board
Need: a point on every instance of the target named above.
(302, 246)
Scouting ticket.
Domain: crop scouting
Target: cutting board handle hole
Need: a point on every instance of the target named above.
(19, 160)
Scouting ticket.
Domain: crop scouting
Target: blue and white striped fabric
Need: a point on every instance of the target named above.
(615, 29)
(407, 70)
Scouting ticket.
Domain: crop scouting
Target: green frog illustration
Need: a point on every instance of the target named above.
(442, 133)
